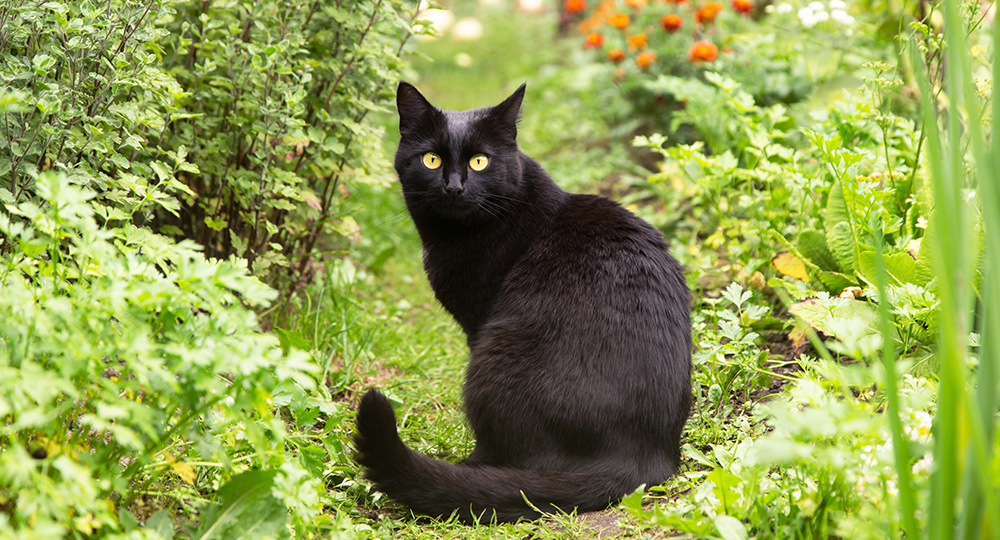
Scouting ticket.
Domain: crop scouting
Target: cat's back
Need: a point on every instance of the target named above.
(596, 247)
(601, 274)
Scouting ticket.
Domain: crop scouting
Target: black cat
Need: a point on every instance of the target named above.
(577, 319)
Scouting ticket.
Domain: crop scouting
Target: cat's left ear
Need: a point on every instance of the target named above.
(414, 109)
(507, 112)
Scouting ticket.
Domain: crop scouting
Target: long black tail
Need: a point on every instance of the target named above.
(473, 492)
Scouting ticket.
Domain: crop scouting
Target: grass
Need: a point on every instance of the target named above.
(377, 324)
(373, 318)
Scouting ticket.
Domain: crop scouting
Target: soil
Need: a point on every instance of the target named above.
(607, 525)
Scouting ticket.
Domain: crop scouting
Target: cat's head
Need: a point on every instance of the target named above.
(458, 164)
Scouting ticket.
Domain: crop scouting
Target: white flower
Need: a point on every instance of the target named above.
(816, 6)
(841, 16)
(921, 430)
(837, 4)
(923, 467)
(890, 487)
(467, 29)
(807, 16)
(531, 6)
(784, 7)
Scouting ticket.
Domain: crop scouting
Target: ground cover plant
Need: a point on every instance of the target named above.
(825, 172)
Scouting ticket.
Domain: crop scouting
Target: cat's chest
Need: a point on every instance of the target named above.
(467, 276)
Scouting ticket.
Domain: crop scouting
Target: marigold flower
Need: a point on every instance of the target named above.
(703, 51)
(619, 20)
(671, 23)
(635, 4)
(645, 59)
(708, 12)
(742, 6)
(637, 42)
(676, 1)
(593, 41)
(575, 6)
(616, 55)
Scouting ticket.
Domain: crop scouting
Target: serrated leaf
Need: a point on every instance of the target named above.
(812, 244)
(163, 173)
(902, 267)
(215, 224)
(819, 314)
(835, 281)
(841, 243)
(928, 244)
(839, 238)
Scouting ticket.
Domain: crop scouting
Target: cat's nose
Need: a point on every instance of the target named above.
(454, 187)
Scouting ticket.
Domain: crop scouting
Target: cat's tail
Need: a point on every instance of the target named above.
(473, 492)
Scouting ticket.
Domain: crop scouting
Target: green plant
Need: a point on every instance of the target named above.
(244, 145)
(83, 91)
(729, 363)
(963, 171)
(799, 54)
(135, 371)
(276, 114)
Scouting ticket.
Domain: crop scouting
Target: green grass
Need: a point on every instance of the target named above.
(386, 330)
(375, 323)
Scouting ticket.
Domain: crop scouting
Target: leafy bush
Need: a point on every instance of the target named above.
(887, 252)
(244, 145)
(136, 375)
(130, 362)
(276, 97)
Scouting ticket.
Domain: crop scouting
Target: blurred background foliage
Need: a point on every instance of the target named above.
(206, 257)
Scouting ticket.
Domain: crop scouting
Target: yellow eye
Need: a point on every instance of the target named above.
(432, 160)
(479, 162)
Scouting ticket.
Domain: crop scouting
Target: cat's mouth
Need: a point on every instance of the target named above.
(456, 205)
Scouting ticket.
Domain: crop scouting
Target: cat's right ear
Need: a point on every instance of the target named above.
(414, 109)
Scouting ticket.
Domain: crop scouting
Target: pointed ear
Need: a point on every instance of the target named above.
(507, 112)
(414, 109)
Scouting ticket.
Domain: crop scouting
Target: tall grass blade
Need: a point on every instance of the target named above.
(963, 425)
(901, 454)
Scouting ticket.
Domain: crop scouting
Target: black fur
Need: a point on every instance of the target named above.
(577, 320)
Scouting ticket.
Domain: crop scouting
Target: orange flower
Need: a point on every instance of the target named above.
(708, 12)
(635, 4)
(619, 21)
(575, 6)
(637, 42)
(593, 41)
(671, 23)
(604, 9)
(616, 55)
(742, 6)
(676, 1)
(645, 59)
(703, 51)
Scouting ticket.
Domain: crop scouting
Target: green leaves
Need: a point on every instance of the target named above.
(123, 349)
(244, 507)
